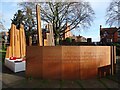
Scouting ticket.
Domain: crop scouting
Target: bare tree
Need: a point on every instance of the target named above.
(76, 14)
(2, 27)
(113, 13)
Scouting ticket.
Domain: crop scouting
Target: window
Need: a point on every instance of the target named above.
(109, 40)
(118, 33)
(118, 39)
(105, 34)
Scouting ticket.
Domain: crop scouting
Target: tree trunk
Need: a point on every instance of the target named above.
(57, 40)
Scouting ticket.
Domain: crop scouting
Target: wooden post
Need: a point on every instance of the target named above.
(112, 60)
(40, 43)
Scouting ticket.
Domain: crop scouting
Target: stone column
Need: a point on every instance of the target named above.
(12, 36)
(21, 40)
(8, 52)
(50, 37)
(40, 43)
(24, 42)
(52, 43)
(17, 43)
(30, 41)
(45, 42)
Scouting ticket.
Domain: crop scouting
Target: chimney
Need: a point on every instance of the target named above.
(100, 27)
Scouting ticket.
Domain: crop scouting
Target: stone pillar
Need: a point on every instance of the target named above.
(45, 42)
(8, 52)
(17, 46)
(17, 43)
(40, 43)
(30, 41)
(12, 36)
(48, 39)
(21, 41)
(52, 43)
(24, 42)
(51, 35)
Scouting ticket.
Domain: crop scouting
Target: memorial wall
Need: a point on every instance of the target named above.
(67, 62)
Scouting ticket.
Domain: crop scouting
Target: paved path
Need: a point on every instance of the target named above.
(18, 80)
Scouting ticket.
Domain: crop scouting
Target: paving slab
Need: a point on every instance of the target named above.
(91, 83)
(69, 84)
(9, 78)
(109, 83)
(50, 84)
(26, 84)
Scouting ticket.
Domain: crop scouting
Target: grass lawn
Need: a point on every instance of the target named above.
(2, 51)
(2, 55)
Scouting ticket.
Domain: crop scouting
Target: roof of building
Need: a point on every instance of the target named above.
(109, 30)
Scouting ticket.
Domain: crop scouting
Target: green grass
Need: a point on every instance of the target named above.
(2, 51)
(2, 56)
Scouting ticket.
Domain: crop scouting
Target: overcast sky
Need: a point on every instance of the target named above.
(8, 8)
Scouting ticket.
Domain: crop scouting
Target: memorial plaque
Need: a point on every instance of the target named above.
(91, 58)
(51, 53)
(71, 53)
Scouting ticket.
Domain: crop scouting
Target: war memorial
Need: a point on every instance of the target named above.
(47, 61)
